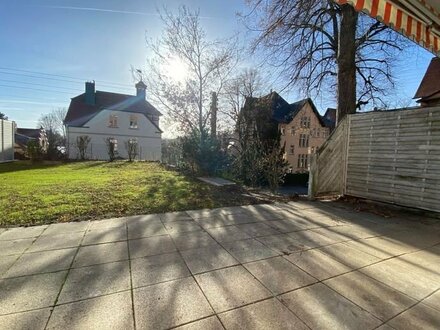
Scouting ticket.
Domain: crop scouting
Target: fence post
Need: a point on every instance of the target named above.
(313, 176)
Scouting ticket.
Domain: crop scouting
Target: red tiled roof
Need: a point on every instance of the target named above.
(79, 112)
(431, 80)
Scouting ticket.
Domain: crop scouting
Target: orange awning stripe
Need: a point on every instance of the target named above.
(400, 20)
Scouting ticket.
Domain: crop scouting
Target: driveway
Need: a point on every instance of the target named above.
(301, 265)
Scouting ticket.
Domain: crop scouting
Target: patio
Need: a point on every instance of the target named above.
(299, 265)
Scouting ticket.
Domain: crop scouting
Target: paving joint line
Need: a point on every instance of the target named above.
(194, 278)
(65, 278)
(131, 276)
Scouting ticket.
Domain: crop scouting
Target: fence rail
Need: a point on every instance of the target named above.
(6, 140)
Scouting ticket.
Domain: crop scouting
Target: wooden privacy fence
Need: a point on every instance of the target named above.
(6, 140)
(391, 156)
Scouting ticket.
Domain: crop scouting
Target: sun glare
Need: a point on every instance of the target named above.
(177, 69)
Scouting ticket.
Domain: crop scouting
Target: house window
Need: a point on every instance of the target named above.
(305, 122)
(303, 161)
(304, 140)
(133, 121)
(317, 132)
(292, 131)
(292, 149)
(113, 121)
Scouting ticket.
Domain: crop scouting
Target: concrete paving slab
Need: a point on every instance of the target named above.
(364, 246)
(383, 247)
(6, 262)
(283, 243)
(169, 304)
(322, 308)
(192, 240)
(227, 234)
(311, 239)
(156, 269)
(22, 232)
(105, 235)
(145, 228)
(21, 294)
(268, 314)
(210, 323)
(66, 228)
(287, 226)
(54, 242)
(433, 300)
(241, 218)
(213, 222)
(426, 259)
(182, 226)
(248, 250)
(41, 262)
(379, 299)
(318, 264)
(93, 281)
(258, 229)
(208, 258)
(15, 246)
(418, 317)
(33, 320)
(349, 256)
(403, 279)
(175, 216)
(150, 246)
(230, 288)
(108, 223)
(279, 275)
(107, 312)
(333, 234)
(355, 232)
(101, 253)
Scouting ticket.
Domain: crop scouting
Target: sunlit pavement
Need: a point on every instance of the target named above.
(299, 265)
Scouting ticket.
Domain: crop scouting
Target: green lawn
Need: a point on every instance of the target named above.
(58, 192)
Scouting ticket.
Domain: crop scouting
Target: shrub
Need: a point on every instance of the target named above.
(82, 143)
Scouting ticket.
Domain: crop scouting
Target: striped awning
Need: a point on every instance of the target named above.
(419, 20)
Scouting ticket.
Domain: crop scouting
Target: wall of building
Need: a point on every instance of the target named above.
(6, 140)
(146, 134)
(317, 135)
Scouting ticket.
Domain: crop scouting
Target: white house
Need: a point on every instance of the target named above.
(99, 117)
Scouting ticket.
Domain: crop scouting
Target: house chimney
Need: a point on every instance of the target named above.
(90, 92)
(140, 89)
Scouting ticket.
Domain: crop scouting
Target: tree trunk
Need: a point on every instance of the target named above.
(346, 63)
(214, 109)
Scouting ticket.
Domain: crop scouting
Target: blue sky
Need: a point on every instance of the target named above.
(101, 40)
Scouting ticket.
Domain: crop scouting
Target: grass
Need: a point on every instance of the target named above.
(60, 192)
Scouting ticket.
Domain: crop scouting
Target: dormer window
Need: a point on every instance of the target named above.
(113, 121)
(133, 122)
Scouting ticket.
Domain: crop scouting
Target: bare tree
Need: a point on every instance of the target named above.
(82, 143)
(54, 121)
(132, 148)
(207, 63)
(322, 46)
(247, 83)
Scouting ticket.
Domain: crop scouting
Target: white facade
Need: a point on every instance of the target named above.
(121, 126)
(6, 140)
